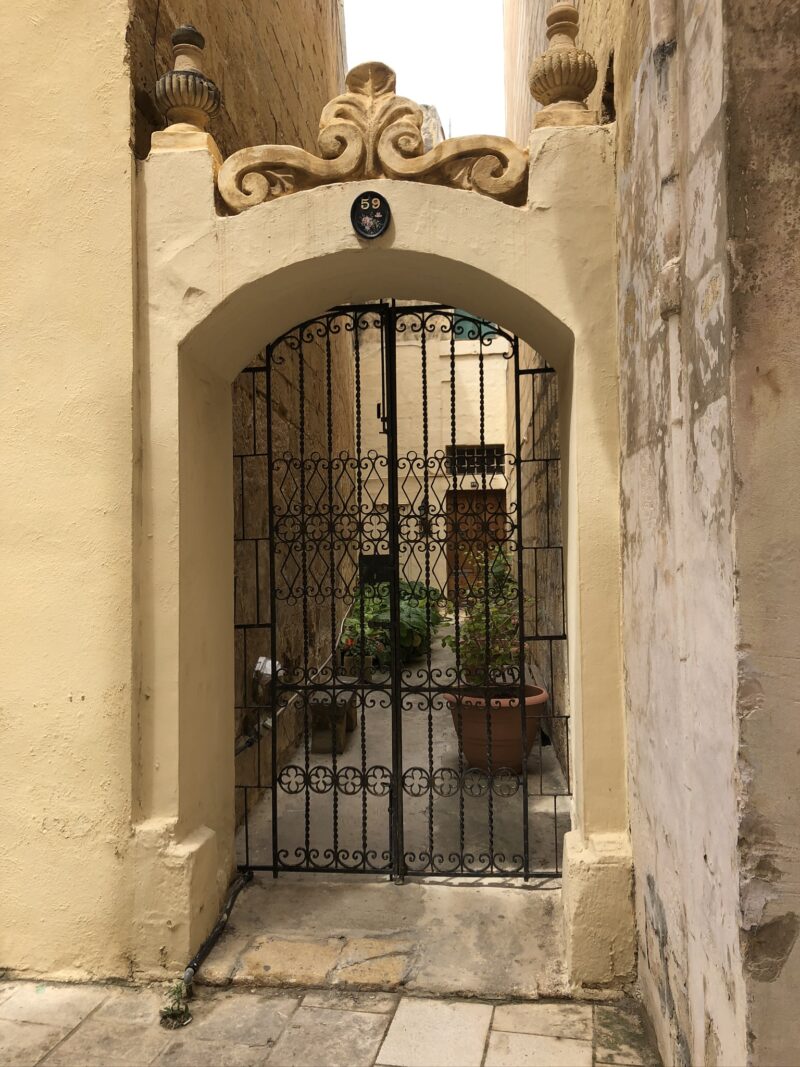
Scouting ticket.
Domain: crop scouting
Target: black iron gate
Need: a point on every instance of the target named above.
(401, 673)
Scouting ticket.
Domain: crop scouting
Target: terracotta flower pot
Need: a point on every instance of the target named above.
(506, 723)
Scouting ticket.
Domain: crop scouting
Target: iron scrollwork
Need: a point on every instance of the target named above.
(396, 794)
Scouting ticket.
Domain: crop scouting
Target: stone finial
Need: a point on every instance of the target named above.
(185, 94)
(564, 76)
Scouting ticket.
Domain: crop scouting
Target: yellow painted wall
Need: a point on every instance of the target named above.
(77, 779)
(66, 681)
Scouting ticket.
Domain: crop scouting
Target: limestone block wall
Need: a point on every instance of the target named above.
(707, 192)
(763, 166)
(277, 62)
(542, 530)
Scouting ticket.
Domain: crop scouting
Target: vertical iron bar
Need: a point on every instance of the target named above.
(273, 615)
(301, 433)
(246, 830)
(484, 541)
(332, 573)
(521, 608)
(254, 381)
(358, 694)
(388, 320)
(459, 681)
(383, 381)
(425, 527)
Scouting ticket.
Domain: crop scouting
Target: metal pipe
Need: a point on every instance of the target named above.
(197, 960)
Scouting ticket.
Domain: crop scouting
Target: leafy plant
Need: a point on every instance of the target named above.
(368, 626)
(358, 642)
(175, 1013)
(487, 641)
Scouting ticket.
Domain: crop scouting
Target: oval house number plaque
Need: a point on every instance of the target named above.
(370, 215)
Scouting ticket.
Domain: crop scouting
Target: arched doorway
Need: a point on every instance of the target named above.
(398, 561)
(214, 289)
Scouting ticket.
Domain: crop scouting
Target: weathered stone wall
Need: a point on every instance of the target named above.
(681, 601)
(763, 212)
(541, 534)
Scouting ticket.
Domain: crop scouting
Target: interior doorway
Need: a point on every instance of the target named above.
(387, 631)
(477, 522)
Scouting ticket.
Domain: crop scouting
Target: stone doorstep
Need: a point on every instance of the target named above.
(359, 963)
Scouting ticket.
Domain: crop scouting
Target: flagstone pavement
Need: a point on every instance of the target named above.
(106, 1026)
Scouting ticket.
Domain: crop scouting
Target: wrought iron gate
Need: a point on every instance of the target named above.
(407, 597)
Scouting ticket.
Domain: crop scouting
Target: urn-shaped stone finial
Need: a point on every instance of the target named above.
(184, 93)
(563, 77)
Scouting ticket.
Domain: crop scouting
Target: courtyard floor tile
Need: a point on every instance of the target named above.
(116, 1026)
(450, 1033)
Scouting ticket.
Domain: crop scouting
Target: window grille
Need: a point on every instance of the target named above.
(476, 459)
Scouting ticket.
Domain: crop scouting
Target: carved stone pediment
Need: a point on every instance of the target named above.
(370, 132)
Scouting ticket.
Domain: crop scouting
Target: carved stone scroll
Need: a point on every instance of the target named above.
(370, 132)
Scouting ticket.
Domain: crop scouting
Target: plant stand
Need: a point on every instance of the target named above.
(331, 715)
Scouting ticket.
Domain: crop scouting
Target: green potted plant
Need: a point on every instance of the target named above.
(360, 648)
(367, 629)
(486, 707)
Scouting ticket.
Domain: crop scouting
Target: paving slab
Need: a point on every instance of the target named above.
(241, 1018)
(23, 1044)
(58, 1005)
(536, 1050)
(383, 1003)
(132, 1006)
(490, 941)
(225, 960)
(563, 1019)
(6, 989)
(190, 1051)
(331, 1037)
(276, 961)
(109, 1043)
(445, 1033)
(620, 1038)
(374, 962)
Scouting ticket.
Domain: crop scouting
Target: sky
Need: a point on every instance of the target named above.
(448, 53)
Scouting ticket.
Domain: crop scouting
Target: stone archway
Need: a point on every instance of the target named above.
(213, 289)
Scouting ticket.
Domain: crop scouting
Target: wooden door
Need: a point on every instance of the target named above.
(476, 521)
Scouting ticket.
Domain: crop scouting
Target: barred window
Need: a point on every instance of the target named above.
(476, 459)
